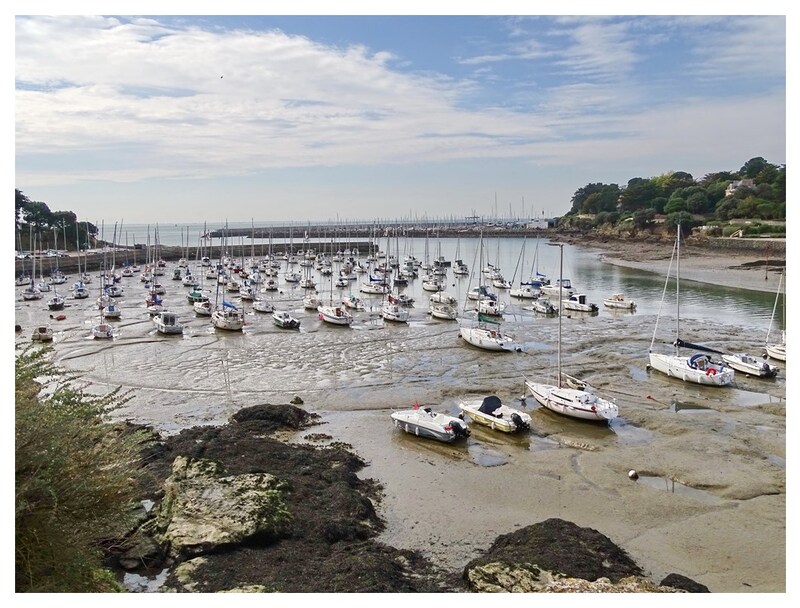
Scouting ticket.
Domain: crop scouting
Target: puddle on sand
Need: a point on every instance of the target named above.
(629, 434)
(673, 487)
(751, 399)
(484, 456)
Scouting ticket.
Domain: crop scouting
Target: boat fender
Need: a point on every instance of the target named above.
(711, 371)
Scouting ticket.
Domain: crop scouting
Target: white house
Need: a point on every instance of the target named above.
(733, 186)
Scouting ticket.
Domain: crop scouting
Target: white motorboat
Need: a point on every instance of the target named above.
(491, 412)
(618, 300)
(579, 303)
(424, 422)
(167, 323)
(698, 368)
(284, 320)
(750, 366)
(203, 308)
(335, 315)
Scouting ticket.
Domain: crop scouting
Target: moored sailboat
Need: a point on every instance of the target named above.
(698, 368)
(579, 403)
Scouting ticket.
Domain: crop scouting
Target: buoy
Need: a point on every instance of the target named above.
(632, 474)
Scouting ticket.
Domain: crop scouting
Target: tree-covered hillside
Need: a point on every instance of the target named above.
(50, 228)
(756, 191)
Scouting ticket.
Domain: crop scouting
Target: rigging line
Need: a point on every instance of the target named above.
(663, 295)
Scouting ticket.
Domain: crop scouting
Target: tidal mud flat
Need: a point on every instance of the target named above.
(710, 501)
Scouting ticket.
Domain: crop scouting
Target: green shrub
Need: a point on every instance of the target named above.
(75, 478)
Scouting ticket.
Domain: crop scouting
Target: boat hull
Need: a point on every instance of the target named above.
(574, 403)
(776, 351)
(430, 425)
(676, 366)
(487, 339)
(751, 366)
(504, 424)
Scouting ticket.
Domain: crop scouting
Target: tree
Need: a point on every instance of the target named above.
(753, 167)
(75, 478)
(675, 204)
(581, 194)
(683, 218)
(643, 217)
(698, 202)
(38, 214)
(720, 176)
(638, 194)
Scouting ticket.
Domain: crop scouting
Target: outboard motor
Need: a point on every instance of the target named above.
(459, 429)
(519, 422)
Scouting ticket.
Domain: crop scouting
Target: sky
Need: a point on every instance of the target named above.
(157, 117)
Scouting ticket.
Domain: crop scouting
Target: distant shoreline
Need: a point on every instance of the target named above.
(752, 264)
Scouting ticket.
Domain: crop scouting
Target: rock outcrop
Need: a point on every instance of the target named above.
(557, 556)
(203, 508)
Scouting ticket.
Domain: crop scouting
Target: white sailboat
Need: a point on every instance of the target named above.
(777, 350)
(334, 314)
(485, 333)
(579, 403)
(697, 368)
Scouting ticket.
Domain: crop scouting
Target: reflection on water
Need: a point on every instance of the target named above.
(671, 486)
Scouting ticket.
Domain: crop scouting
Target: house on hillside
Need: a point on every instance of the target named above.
(734, 186)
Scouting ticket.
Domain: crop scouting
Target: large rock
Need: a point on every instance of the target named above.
(557, 556)
(203, 509)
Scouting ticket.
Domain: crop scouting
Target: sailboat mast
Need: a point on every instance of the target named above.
(678, 291)
(560, 304)
(775, 306)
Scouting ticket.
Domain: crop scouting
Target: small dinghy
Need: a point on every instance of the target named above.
(424, 422)
(492, 413)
